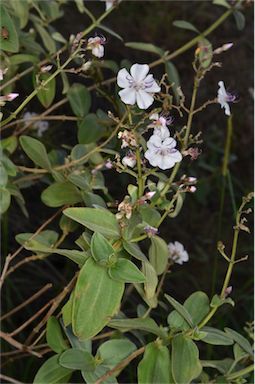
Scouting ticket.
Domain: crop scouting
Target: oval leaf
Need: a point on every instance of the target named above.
(96, 299)
(58, 194)
(77, 359)
(126, 271)
(101, 249)
(216, 337)
(8, 38)
(185, 360)
(158, 254)
(80, 100)
(51, 372)
(54, 336)
(185, 25)
(154, 368)
(36, 151)
(96, 219)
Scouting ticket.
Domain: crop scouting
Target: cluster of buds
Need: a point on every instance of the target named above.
(193, 152)
(124, 209)
(187, 184)
(9, 97)
(128, 139)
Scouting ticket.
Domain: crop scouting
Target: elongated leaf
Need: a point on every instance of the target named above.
(46, 93)
(151, 283)
(48, 42)
(21, 9)
(155, 367)
(173, 77)
(110, 31)
(185, 360)
(158, 254)
(80, 100)
(8, 37)
(145, 47)
(240, 340)
(181, 310)
(23, 58)
(223, 3)
(216, 337)
(221, 365)
(90, 129)
(51, 372)
(240, 20)
(134, 250)
(5, 200)
(185, 25)
(101, 249)
(36, 151)
(96, 299)
(58, 194)
(54, 336)
(126, 271)
(147, 324)
(96, 219)
(197, 306)
(77, 359)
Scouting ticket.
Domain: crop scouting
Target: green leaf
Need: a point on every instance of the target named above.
(92, 377)
(151, 283)
(80, 99)
(158, 254)
(185, 25)
(8, 38)
(77, 359)
(51, 372)
(72, 254)
(147, 324)
(96, 299)
(173, 77)
(240, 20)
(146, 47)
(134, 250)
(101, 249)
(197, 306)
(3, 176)
(223, 3)
(9, 144)
(181, 310)
(240, 340)
(96, 219)
(216, 337)
(21, 9)
(89, 129)
(112, 352)
(23, 58)
(54, 336)
(5, 200)
(154, 368)
(36, 151)
(126, 271)
(46, 238)
(178, 206)
(48, 42)
(150, 215)
(110, 31)
(58, 194)
(205, 52)
(46, 93)
(185, 360)
(221, 365)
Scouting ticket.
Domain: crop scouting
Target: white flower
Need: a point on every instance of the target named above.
(46, 68)
(139, 87)
(40, 126)
(159, 123)
(2, 73)
(96, 44)
(129, 160)
(224, 98)
(109, 4)
(162, 153)
(9, 97)
(177, 253)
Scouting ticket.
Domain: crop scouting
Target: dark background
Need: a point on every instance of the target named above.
(199, 225)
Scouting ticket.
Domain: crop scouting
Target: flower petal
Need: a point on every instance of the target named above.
(139, 71)
(151, 85)
(151, 157)
(122, 78)
(165, 162)
(128, 96)
(170, 142)
(144, 99)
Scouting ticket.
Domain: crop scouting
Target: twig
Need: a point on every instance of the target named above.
(31, 319)
(17, 344)
(28, 301)
(55, 303)
(10, 379)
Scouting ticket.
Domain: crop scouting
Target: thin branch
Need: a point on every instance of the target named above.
(17, 344)
(28, 301)
(10, 379)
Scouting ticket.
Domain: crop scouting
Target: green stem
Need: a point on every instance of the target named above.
(139, 175)
(241, 373)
